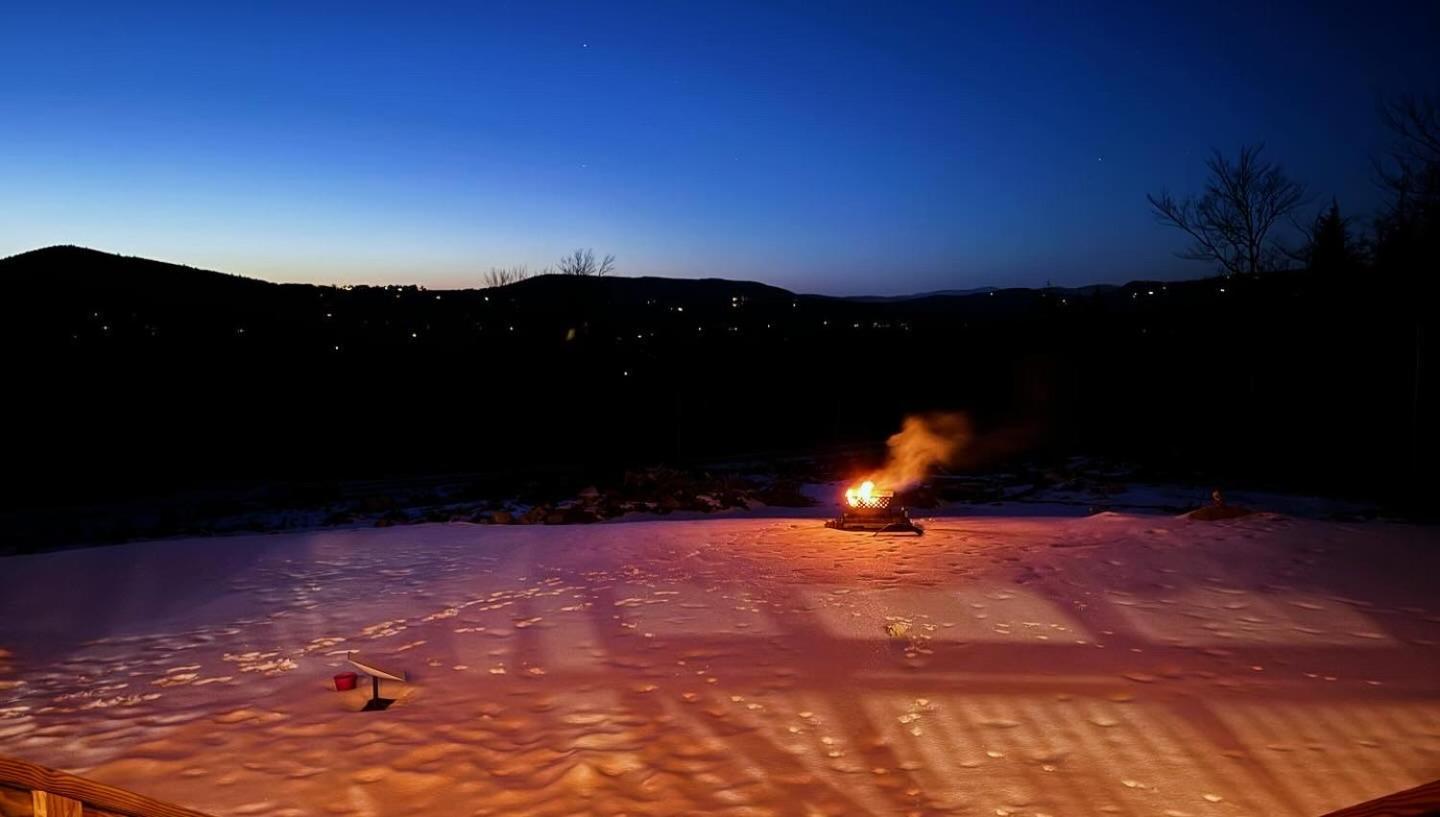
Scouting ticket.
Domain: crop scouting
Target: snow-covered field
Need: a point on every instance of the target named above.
(1112, 664)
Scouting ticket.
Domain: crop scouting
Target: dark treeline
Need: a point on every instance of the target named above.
(1307, 366)
(132, 376)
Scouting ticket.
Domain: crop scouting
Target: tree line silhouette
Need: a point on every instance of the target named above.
(1304, 370)
(580, 262)
(1232, 222)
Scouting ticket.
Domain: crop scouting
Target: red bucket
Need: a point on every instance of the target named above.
(344, 681)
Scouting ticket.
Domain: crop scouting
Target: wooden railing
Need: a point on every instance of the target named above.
(53, 793)
(1421, 801)
(28, 789)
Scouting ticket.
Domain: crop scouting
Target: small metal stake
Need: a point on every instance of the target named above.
(376, 703)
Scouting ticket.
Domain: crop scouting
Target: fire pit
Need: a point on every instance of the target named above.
(867, 509)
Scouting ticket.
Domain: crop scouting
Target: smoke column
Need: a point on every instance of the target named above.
(923, 442)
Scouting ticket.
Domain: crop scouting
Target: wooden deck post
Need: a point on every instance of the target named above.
(54, 793)
(53, 805)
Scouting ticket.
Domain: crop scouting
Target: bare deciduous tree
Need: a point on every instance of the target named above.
(1408, 232)
(1230, 222)
(501, 276)
(1415, 155)
(583, 262)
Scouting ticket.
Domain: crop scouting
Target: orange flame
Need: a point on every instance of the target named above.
(856, 496)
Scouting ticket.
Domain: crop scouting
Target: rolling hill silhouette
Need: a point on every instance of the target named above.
(133, 374)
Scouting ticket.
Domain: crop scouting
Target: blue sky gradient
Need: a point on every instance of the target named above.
(825, 147)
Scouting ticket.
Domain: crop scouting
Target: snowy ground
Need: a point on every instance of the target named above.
(1111, 664)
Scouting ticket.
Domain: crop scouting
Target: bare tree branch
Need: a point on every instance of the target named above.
(1414, 157)
(1407, 234)
(503, 276)
(583, 262)
(1230, 223)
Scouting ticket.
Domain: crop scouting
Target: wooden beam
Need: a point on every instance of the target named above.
(57, 787)
(53, 805)
(1421, 801)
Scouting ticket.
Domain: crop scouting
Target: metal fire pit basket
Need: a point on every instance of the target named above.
(875, 514)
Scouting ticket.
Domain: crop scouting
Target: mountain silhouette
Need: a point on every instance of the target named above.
(132, 374)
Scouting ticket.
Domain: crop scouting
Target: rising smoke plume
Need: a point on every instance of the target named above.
(923, 442)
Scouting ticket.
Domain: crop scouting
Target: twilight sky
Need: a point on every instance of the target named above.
(820, 146)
